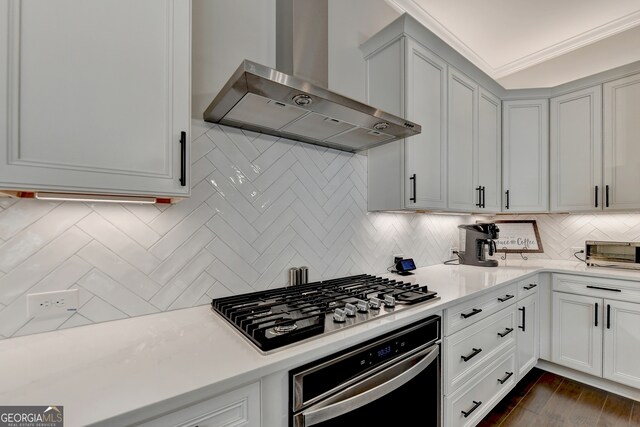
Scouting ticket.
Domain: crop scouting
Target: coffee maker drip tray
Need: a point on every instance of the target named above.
(479, 244)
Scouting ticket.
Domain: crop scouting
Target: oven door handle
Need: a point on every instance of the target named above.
(370, 389)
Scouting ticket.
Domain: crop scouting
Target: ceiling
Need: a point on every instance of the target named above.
(541, 43)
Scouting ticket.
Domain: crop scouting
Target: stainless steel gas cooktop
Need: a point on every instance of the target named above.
(278, 317)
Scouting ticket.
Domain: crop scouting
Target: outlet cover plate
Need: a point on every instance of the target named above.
(53, 303)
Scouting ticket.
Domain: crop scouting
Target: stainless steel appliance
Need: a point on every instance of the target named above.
(292, 101)
(612, 254)
(393, 380)
(479, 244)
(279, 317)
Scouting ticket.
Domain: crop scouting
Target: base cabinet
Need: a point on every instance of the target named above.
(528, 336)
(577, 332)
(593, 333)
(237, 408)
(621, 342)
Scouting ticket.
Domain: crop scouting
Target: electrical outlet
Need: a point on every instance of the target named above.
(52, 303)
(575, 249)
(452, 252)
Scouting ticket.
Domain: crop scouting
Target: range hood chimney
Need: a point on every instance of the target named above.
(293, 101)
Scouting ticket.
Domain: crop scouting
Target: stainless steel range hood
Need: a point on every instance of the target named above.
(266, 100)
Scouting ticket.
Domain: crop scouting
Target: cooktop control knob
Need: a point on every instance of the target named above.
(374, 303)
(363, 307)
(350, 309)
(339, 315)
(389, 301)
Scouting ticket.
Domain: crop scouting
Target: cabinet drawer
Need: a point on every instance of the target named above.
(527, 287)
(469, 350)
(240, 407)
(470, 312)
(623, 290)
(480, 394)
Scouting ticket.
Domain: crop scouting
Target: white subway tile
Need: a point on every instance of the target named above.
(119, 270)
(19, 215)
(182, 280)
(279, 243)
(269, 176)
(128, 223)
(27, 242)
(244, 144)
(228, 278)
(74, 321)
(194, 292)
(272, 193)
(235, 241)
(115, 294)
(232, 260)
(233, 196)
(182, 255)
(43, 262)
(181, 232)
(146, 213)
(98, 310)
(232, 217)
(179, 211)
(274, 211)
(120, 243)
(222, 141)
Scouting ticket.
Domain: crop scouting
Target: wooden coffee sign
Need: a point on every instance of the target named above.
(518, 236)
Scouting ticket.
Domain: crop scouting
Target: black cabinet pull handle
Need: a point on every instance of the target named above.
(483, 197)
(506, 298)
(479, 190)
(608, 316)
(596, 314)
(183, 158)
(470, 411)
(524, 318)
(413, 178)
(473, 354)
(606, 196)
(504, 380)
(604, 289)
(507, 204)
(505, 333)
(473, 313)
(531, 286)
(596, 196)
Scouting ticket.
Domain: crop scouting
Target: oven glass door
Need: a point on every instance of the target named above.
(406, 393)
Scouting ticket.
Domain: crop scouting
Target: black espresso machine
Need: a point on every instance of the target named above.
(479, 244)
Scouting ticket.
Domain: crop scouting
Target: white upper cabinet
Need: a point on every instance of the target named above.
(474, 146)
(406, 79)
(525, 155)
(426, 153)
(98, 96)
(621, 147)
(463, 136)
(488, 171)
(576, 151)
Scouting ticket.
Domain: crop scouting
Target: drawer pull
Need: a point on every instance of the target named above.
(524, 318)
(505, 298)
(473, 354)
(473, 313)
(531, 286)
(603, 289)
(505, 333)
(470, 411)
(504, 380)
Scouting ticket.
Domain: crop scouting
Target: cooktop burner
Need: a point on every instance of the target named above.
(282, 316)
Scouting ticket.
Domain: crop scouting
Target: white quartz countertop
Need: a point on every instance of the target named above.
(163, 361)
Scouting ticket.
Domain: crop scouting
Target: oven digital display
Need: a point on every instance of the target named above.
(384, 352)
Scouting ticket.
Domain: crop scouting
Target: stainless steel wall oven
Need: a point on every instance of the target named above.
(390, 380)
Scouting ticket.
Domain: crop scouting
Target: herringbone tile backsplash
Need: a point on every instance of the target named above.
(259, 206)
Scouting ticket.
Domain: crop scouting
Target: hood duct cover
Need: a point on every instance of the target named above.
(293, 102)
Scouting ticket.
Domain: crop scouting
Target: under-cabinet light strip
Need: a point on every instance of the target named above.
(67, 197)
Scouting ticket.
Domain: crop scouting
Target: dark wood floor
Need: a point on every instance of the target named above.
(546, 399)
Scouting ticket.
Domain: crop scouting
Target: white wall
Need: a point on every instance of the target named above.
(224, 33)
(351, 23)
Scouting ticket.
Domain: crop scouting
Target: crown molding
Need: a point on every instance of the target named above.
(588, 37)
